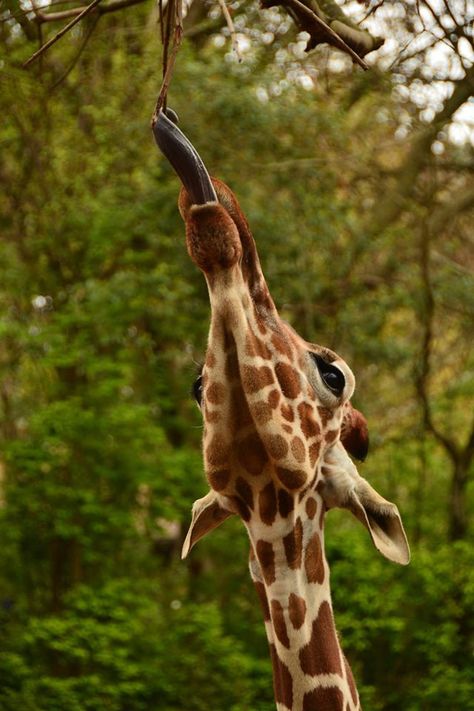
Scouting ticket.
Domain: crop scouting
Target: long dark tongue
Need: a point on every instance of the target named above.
(185, 160)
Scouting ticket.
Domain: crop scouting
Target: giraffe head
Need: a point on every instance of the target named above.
(278, 422)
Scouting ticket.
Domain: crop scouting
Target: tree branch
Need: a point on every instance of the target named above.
(426, 323)
(61, 33)
(328, 25)
(113, 6)
(231, 28)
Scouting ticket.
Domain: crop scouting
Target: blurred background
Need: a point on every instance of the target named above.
(359, 188)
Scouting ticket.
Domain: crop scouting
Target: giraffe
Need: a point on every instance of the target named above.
(278, 430)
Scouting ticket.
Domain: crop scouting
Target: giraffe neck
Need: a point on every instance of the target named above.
(285, 526)
(291, 575)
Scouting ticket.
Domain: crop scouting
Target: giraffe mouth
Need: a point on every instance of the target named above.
(184, 159)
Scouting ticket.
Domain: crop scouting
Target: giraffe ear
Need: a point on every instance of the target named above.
(382, 520)
(208, 513)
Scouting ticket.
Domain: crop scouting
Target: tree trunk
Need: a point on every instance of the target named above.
(458, 524)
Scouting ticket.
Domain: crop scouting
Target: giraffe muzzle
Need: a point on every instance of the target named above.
(184, 159)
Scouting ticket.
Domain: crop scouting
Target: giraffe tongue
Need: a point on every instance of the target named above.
(185, 160)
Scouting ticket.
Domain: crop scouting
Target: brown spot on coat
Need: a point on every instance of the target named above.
(217, 451)
(297, 610)
(274, 399)
(254, 379)
(287, 428)
(219, 479)
(276, 446)
(282, 680)
(241, 416)
(289, 380)
(325, 415)
(244, 491)
(262, 594)
(331, 435)
(229, 340)
(309, 426)
(298, 449)
(232, 366)
(211, 415)
(321, 516)
(262, 412)
(311, 507)
(215, 393)
(282, 345)
(293, 545)
(323, 698)
(254, 346)
(261, 326)
(285, 503)
(291, 478)
(287, 412)
(266, 558)
(351, 682)
(210, 359)
(314, 452)
(322, 654)
(313, 560)
(251, 454)
(279, 624)
(242, 508)
(267, 504)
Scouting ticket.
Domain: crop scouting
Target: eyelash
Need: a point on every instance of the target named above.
(196, 389)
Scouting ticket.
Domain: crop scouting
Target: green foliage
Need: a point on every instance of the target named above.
(120, 647)
(410, 624)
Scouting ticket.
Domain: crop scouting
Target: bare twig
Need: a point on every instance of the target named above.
(372, 10)
(437, 21)
(399, 58)
(160, 11)
(61, 33)
(230, 25)
(452, 16)
(174, 13)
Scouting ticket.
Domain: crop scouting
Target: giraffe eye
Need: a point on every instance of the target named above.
(197, 390)
(331, 376)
